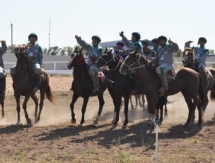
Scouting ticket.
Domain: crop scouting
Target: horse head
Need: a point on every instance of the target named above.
(77, 58)
(106, 59)
(188, 55)
(132, 62)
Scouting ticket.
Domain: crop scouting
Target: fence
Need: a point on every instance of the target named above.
(60, 67)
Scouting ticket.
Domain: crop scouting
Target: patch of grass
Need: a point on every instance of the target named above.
(123, 157)
(90, 151)
(181, 149)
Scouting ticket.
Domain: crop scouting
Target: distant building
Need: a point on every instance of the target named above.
(111, 44)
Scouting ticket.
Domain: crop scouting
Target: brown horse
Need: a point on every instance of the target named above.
(188, 61)
(187, 81)
(23, 85)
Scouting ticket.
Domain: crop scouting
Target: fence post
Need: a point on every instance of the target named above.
(55, 66)
(156, 144)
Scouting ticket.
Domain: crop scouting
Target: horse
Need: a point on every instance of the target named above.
(188, 61)
(186, 81)
(2, 93)
(139, 101)
(82, 86)
(162, 101)
(122, 85)
(23, 84)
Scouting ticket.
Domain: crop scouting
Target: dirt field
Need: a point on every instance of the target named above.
(55, 139)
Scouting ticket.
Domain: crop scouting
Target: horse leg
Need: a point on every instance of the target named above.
(198, 104)
(42, 97)
(35, 99)
(17, 97)
(126, 98)
(165, 105)
(101, 104)
(130, 98)
(117, 110)
(74, 99)
(161, 114)
(143, 102)
(25, 110)
(83, 110)
(190, 107)
(152, 101)
(2, 106)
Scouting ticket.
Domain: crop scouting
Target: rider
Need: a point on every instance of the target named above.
(133, 45)
(147, 52)
(200, 57)
(155, 44)
(34, 52)
(120, 50)
(165, 61)
(95, 51)
(2, 51)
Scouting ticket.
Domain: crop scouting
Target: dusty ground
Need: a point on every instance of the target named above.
(55, 139)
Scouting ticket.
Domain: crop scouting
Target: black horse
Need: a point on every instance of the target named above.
(82, 85)
(122, 84)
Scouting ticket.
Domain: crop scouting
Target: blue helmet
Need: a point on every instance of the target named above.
(137, 35)
(120, 43)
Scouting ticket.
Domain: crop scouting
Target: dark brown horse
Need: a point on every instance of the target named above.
(23, 85)
(82, 86)
(2, 93)
(187, 81)
(188, 61)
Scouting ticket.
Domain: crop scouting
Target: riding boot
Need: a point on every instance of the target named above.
(205, 78)
(136, 85)
(36, 83)
(95, 83)
(164, 84)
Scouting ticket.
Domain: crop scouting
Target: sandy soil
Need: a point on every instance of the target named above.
(55, 139)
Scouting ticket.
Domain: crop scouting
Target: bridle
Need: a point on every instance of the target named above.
(106, 63)
(137, 62)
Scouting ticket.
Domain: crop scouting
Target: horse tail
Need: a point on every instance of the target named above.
(49, 93)
(201, 90)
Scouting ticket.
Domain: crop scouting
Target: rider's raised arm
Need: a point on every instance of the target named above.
(175, 47)
(82, 43)
(40, 56)
(3, 48)
(126, 41)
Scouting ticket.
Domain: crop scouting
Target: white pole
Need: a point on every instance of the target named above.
(156, 144)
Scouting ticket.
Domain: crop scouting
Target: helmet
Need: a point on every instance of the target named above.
(137, 35)
(203, 39)
(155, 40)
(120, 43)
(33, 35)
(162, 38)
(96, 38)
(145, 42)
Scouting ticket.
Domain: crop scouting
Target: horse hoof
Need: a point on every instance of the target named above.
(124, 126)
(18, 123)
(95, 121)
(114, 124)
(29, 122)
(2, 116)
(81, 124)
(160, 122)
(73, 121)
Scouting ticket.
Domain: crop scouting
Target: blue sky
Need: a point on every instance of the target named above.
(181, 20)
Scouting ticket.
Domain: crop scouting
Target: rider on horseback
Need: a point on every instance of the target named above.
(200, 57)
(147, 52)
(94, 51)
(34, 52)
(133, 45)
(120, 50)
(2, 51)
(155, 45)
(165, 61)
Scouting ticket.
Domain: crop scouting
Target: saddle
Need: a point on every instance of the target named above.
(171, 74)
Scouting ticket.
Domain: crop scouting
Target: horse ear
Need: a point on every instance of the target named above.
(106, 49)
(110, 52)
